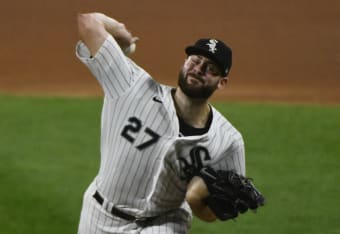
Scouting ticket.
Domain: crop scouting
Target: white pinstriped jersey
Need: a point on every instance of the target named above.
(143, 158)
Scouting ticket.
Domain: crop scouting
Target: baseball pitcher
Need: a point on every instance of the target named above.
(166, 153)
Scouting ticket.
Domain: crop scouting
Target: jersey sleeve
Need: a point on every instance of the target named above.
(235, 156)
(113, 70)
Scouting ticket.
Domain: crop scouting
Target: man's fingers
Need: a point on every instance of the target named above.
(134, 40)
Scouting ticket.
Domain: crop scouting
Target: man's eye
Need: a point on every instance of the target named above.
(212, 69)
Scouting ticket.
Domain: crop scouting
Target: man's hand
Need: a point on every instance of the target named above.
(94, 27)
(229, 193)
(119, 31)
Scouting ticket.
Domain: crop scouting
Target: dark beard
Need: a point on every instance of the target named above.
(196, 93)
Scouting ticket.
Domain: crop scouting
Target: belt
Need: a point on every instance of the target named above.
(116, 212)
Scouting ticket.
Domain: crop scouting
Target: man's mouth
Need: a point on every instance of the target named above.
(195, 77)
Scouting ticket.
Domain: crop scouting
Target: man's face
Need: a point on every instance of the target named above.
(199, 77)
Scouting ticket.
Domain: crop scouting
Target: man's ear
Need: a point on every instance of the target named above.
(222, 83)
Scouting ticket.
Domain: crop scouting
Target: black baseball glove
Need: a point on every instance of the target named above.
(229, 193)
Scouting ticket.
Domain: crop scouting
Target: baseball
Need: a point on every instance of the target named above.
(131, 49)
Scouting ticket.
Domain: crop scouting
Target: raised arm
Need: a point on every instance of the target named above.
(93, 29)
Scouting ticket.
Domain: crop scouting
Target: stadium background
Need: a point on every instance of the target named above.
(283, 50)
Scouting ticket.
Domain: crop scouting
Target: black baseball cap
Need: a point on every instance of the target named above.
(214, 49)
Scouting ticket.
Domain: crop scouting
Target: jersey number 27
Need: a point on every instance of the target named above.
(133, 128)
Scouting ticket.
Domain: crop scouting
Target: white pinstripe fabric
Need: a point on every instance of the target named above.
(146, 181)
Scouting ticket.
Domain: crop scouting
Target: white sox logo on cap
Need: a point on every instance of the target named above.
(212, 45)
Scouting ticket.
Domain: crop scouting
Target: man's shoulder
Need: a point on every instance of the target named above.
(220, 118)
(222, 124)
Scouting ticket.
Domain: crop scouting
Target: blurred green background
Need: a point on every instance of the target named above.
(49, 153)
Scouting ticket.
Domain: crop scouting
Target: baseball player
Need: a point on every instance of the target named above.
(154, 138)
